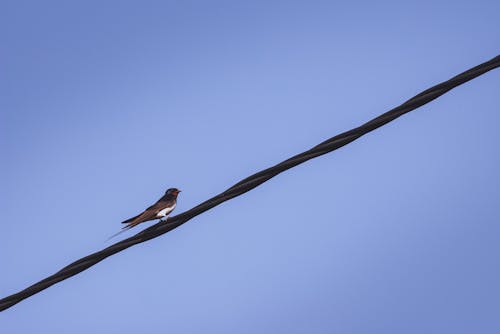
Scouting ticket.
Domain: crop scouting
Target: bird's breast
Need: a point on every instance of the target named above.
(166, 211)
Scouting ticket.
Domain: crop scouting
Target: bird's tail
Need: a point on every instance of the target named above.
(124, 228)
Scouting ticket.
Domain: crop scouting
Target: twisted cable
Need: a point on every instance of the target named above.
(252, 181)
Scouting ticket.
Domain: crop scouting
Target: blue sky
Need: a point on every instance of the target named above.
(105, 105)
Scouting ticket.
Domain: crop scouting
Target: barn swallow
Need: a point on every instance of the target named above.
(160, 210)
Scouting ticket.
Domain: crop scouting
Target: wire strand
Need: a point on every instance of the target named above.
(252, 181)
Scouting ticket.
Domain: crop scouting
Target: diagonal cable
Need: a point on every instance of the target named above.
(253, 181)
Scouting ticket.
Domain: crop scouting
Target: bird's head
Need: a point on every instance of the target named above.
(172, 191)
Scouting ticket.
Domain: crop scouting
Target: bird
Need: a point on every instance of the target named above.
(160, 210)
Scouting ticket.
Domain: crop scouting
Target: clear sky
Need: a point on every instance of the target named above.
(106, 104)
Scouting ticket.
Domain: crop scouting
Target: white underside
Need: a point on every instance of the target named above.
(165, 211)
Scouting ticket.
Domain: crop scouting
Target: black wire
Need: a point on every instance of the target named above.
(253, 181)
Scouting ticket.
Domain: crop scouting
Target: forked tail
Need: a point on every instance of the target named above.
(125, 228)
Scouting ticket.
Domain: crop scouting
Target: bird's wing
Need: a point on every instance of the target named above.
(156, 207)
(148, 214)
(131, 219)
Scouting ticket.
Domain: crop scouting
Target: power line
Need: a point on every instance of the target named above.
(253, 181)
